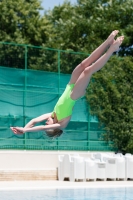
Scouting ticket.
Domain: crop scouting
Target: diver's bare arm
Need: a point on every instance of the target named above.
(41, 118)
(21, 130)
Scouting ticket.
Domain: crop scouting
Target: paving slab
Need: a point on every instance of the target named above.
(41, 185)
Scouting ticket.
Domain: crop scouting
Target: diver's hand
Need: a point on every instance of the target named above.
(17, 130)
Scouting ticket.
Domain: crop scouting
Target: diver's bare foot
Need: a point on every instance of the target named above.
(111, 37)
(116, 44)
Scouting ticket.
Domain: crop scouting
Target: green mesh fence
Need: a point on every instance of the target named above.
(31, 81)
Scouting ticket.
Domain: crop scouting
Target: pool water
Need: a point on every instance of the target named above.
(70, 194)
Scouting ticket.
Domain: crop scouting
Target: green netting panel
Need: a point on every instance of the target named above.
(27, 91)
(39, 103)
(95, 126)
(73, 145)
(11, 102)
(77, 125)
(42, 81)
(12, 78)
(80, 111)
(96, 131)
(74, 135)
(95, 135)
(100, 146)
(9, 143)
(64, 79)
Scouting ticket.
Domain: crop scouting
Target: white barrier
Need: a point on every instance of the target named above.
(98, 166)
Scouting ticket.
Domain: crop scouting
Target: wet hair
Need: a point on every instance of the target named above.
(54, 133)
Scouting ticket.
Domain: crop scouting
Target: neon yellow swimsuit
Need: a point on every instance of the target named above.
(65, 104)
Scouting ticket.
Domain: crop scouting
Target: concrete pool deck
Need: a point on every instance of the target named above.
(41, 185)
(15, 162)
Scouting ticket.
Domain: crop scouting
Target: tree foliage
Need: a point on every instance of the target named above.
(21, 22)
(111, 99)
(82, 27)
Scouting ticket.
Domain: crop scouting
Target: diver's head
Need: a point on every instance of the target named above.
(50, 121)
(53, 133)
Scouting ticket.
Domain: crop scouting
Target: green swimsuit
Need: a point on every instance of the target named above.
(65, 104)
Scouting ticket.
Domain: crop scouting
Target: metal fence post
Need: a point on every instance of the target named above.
(58, 72)
(58, 84)
(88, 129)
(25, 90)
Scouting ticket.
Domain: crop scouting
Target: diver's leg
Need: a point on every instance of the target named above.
(83, 80)
(92, 58)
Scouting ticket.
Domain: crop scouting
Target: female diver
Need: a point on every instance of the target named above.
(57, 120)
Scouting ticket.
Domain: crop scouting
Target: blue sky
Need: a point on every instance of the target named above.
(49, 4)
